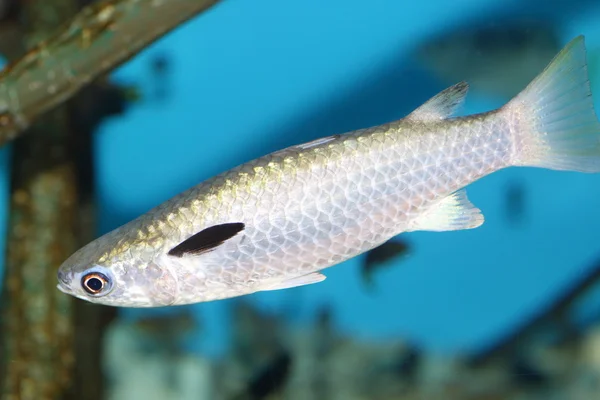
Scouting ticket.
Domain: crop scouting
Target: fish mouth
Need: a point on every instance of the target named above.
(62, 288)
(66, 289)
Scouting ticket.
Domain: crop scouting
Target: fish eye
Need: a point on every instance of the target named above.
(96, 283)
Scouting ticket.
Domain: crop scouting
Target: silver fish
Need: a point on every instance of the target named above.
(275, 222)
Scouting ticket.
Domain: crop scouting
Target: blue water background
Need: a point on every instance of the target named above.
(250, 77)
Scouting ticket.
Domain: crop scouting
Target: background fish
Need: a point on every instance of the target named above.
(515, 203)
(274, 222)
(380, 256)
(495, 58)
(161, 71)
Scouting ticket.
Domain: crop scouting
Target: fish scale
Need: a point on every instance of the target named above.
(276, 221)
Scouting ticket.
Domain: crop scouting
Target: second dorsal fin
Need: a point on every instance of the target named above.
(442, 105)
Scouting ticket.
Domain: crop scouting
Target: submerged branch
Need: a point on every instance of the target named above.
(555, 311)
(99, 38)
(45, 333)
(37, 329)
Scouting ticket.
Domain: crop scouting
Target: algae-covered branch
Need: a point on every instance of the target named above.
(97, 39)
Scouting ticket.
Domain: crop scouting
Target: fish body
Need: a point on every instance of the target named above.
(276, 221)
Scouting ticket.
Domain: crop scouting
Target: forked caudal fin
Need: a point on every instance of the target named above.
(553, 119)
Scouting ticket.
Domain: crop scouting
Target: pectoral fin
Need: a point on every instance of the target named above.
(311, 278)
(455, 212)
(207, 239)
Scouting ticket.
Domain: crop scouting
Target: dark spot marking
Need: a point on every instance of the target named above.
(207, 239)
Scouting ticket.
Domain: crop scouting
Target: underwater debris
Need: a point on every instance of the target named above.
(11, 29)
(324, 341)
(165, 336)
(133, 373)
(268, 380)
(406, 364)
(257, 336)
(169, 325)
(166, 333)
(380, 256)
(495, 58)
(554, 314)
(99, 38)
(325, 333)
(525, 372)
(324, 364)
(349, 368)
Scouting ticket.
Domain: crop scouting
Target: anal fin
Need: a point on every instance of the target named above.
(314, 277)
(453, 213)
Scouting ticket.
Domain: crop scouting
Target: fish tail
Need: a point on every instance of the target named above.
(553, 121)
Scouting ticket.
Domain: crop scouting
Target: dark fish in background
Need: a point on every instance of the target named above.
(160, 67)
(497, 59)
(515, 203)
(380, 256)
(270, 379)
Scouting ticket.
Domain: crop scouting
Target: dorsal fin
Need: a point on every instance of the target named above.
(207, 239)
(442, 105)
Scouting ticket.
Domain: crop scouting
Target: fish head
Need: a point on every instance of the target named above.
(123, 276)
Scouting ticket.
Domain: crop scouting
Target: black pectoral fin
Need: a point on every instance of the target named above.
(207, 239)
